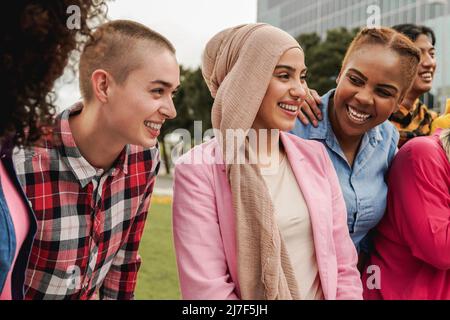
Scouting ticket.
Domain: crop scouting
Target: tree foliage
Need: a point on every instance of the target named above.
(324, 57)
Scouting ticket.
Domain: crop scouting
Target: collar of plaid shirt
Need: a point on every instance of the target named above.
(71, 155)
(90, 222)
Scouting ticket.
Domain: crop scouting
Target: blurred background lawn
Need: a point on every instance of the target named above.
(158, 276)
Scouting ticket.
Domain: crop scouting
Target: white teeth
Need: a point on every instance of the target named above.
(427, 76)
(356, 115)
(153, 125)
(288, 107)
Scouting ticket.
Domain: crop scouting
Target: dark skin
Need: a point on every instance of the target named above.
(311, 113)
(309, 110)
(349, 144)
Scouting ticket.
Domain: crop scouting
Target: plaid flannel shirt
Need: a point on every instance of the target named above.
(413, 123)
(90, 222)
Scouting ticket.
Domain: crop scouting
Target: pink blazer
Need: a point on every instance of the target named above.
(204, 224)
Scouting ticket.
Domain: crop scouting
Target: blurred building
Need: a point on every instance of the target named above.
(306, 16)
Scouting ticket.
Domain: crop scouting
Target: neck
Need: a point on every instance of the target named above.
(409, 99)
(96, 143)
(268, 150)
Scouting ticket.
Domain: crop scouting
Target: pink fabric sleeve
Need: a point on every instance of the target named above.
(199, 248)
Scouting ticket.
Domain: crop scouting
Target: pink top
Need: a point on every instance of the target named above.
(412, 243)
(20, 220)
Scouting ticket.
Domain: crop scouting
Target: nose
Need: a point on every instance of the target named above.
(364, 97)
(168, 110)
(428, 60)
(298, 91)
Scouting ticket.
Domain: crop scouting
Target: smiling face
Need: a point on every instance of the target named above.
(137, 108)
(285, 93)
(427, 67)
(369, 89)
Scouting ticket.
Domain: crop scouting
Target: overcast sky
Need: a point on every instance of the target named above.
(188, 24)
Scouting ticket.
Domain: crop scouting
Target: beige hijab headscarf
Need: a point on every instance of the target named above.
(238, 64)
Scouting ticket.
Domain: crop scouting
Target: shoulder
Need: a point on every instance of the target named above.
(304, 145)
(426, 109)
(199, 166)
(423, 147)
(389, 133)
(422, 152)
(206, 153)
(388, 130)
(311, 151)
(301, 130)
(44, 154)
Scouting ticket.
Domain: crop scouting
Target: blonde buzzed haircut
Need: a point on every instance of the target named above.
(115, 47)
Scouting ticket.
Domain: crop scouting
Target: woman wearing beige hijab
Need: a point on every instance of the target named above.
(273, 228)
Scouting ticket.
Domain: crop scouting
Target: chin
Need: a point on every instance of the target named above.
(146, 142)
(286, 126)
(426, 88)
(150, 144)
(423, 88)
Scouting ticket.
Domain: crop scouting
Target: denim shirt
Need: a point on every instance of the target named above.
(7, 239)
(8, 236)
(363, 186)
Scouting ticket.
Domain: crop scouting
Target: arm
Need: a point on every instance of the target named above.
(201, 260)
(120, 282)
(419, 201)
(349, 284)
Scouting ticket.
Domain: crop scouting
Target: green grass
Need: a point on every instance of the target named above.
(158, 277)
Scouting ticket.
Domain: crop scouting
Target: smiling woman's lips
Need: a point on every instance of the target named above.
(355, 116)
(427, 76)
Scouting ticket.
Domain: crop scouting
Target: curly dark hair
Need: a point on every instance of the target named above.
(36, 46)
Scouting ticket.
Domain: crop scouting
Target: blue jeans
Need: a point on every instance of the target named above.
(7, 239)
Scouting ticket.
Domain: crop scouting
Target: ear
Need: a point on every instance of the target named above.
(100, 82)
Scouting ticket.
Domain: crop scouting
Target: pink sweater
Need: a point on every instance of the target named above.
(412, 243)
(20, 219)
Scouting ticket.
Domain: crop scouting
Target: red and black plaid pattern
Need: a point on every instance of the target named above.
(90, 222)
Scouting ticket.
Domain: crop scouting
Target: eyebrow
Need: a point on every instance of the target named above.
(387, 86)
(432, 48)
(165, 84)
(359, 73)
(284, 66)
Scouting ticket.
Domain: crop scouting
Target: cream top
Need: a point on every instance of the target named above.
(294, 222)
